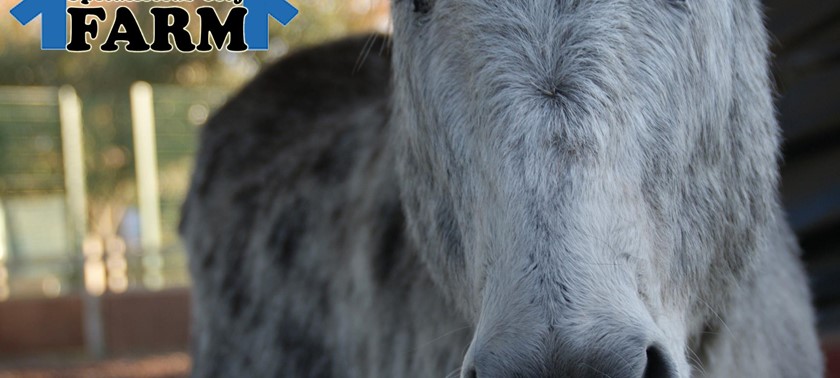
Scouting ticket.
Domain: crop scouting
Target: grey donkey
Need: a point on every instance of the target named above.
(519, 188)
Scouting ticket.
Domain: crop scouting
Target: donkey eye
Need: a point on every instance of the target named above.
(422, 6)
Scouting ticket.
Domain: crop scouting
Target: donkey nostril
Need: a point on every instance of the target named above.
(471, 373)
(658, 365)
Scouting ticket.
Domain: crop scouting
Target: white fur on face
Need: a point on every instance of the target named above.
(574, 168)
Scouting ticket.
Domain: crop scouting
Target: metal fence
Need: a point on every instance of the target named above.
(56, 236)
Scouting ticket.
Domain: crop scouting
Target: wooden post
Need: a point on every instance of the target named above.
(145, 155)
(74, 167)
(4, 253)
(72, 144)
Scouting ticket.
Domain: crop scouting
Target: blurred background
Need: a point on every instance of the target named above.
(806, 45)
(96, 151)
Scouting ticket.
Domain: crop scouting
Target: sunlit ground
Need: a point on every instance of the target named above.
(170, 365)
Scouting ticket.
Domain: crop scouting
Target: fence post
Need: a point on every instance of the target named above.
(4, 242)
(74, 167)
(72, 145)
(145, 156)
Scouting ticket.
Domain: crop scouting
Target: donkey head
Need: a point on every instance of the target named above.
(585, 179)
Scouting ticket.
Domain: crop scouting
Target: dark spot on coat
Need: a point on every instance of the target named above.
(335, 161)
(391, 240)
(302, 351)
(286, 232)
(234, 282)
(207, 261)
(239, 298)
(422, 6)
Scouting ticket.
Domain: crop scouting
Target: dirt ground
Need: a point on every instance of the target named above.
(171, 365)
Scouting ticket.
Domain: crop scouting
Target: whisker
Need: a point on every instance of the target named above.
(723, 322)
(596, 370)
(441, 337)
(363, 55)
(698, 363)
(627, 363)
(454, 373)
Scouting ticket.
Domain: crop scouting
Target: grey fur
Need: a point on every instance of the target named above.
(564, 188)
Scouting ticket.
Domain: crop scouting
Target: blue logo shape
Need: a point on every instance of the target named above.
(53, 20)
(256, 21)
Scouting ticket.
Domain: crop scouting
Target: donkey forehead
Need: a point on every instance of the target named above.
(514, 51)
(544, 40)
(541, 22)
(545, 13)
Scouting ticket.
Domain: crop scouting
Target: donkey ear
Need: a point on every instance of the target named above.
(422, 6)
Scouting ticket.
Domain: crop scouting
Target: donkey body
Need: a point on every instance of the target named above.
(550, 188)
(284, 286)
